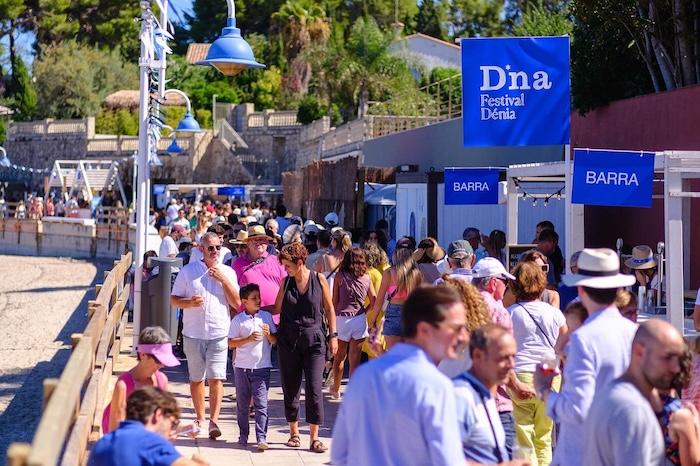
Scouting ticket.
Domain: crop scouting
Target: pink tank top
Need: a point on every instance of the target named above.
(130, 387)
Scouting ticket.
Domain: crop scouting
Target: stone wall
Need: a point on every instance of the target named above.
(220, 165)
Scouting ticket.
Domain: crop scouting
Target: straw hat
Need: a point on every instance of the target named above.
(642, 258)
(240, 238)
(599, 268)
(430, 248)
(257, 232)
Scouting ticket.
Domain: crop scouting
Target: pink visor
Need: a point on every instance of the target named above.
(163, 352)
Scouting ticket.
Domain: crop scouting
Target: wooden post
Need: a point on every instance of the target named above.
(18, 453)
(49, 387)
(75, 339)
(92, 307)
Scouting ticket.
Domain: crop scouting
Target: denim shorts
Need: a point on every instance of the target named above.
(206, 358)
(392, 320)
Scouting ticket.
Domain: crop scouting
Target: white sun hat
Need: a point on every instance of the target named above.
(599, 268)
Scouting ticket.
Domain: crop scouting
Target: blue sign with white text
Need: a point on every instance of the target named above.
(471, 186)
(238, 191)
(613, 178)
(515, 91)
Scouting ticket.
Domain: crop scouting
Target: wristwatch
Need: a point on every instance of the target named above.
(334, 335)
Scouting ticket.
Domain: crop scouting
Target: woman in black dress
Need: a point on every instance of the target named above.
(301, 341)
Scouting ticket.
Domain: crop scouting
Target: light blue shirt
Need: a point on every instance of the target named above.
(599, 351)
(399, 410)
(483, 437)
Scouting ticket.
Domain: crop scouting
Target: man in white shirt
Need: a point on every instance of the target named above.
(492, 350)
(169, 245)
(204, 290)
(172, 210)
(599, 351)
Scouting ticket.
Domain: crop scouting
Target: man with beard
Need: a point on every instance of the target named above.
(621, 427)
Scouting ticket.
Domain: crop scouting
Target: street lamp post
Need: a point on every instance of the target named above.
(230, 54)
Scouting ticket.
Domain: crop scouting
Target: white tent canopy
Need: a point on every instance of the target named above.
(677, 168)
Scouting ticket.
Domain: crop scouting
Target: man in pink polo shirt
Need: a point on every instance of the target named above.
(261, 268)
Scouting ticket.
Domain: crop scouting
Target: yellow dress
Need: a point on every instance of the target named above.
(375, 275)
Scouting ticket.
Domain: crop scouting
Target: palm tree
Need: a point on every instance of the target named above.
(300, 23)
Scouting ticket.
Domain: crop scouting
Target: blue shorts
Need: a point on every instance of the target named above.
(206, 358)
(392, 320)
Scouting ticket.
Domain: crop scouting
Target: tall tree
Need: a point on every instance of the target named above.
(539, 21)
(301, 23)
(476, 18)
(21, 91)
(431, 18)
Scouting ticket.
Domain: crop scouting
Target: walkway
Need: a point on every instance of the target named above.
(225, 451)
(42, 301)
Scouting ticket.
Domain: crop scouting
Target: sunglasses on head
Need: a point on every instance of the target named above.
(545, 268)
(214, 248)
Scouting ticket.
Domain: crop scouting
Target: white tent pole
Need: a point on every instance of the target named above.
(673, 225)
(512, 207)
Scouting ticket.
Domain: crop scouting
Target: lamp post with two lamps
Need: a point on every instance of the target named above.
(230, 54)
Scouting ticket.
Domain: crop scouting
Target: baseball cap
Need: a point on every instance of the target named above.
(490, 267)
(459, 249)
(331, 218)
(163, 352)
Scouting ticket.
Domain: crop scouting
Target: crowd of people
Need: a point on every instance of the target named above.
(454, 357)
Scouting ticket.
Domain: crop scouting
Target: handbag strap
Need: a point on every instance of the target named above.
(497, 449)
(538, 325)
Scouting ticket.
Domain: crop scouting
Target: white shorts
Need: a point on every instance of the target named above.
(352, 328)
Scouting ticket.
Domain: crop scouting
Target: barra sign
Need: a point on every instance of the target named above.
(515, 91)
(613, 178)
(236, 191)
(471, 186)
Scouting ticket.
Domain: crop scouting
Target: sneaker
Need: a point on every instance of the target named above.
(243, 442)
(262, 446)
(214, 431)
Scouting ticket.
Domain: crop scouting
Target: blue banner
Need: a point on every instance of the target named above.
(471, 186)
(238, 191)
(515, 91)
(613, 178)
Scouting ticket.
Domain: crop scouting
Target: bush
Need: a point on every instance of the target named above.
(310, 109)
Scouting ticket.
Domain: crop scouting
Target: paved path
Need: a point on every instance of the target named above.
(225, 451)
(42, 301)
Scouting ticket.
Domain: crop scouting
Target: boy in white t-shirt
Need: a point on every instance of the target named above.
(252, 333)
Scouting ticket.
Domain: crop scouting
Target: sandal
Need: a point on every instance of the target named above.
(294, 441)
(318, 447)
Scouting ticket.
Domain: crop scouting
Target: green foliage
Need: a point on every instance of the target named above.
(310, 109)
(121, 121)
(22, 92)
(203, 117)
(476, 18)
(539, 21)
(173, 115)
(3, 131)
(431, 18)
(73, 79)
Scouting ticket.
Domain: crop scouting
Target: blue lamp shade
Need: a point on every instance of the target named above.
(173, 148)
(188, 124)
(230, 53)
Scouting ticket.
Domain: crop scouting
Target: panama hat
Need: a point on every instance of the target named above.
(257, 232)
(240, 238)
(599, 268)
(642, 258)
(291, 232)
(430, 248)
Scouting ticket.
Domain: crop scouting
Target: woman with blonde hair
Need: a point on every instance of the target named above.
(377, 263)
(203, 223)
(537, 327)
(397, 283)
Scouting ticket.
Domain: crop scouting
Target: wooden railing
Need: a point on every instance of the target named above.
(72, 416)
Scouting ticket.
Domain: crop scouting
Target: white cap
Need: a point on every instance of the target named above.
(490, 267)
(331, 218)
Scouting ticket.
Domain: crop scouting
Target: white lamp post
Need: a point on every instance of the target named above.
(230, 54)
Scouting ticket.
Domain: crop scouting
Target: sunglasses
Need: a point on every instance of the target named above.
(213, 248)
(545, 268)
